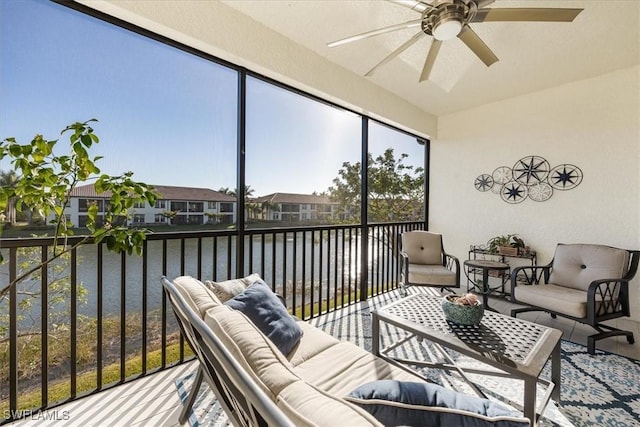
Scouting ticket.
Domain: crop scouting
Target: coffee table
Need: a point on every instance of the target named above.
(516, 348)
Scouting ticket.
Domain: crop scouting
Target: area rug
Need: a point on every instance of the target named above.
(206, 410)
(600, 390)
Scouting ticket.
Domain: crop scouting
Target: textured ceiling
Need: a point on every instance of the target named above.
(532, 56)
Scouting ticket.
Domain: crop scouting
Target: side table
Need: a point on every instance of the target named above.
(485, 265)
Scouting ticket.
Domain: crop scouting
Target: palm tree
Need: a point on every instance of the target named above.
(170, 215)
(254, 210)
(268, 207)
(9, 180)
(248, 191)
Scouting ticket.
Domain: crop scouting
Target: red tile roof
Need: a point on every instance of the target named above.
(293, 198)
(165, 192)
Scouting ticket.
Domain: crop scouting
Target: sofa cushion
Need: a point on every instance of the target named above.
(230, 288)
(424, 404)
(344, 366)
(196, 294)
(313, 342)
(257, 354)
(306, 405)
(266, 311)
(576, 266)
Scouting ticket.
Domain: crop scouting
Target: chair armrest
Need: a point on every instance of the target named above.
(404, 265)
(614, 297)
(451, 260)
(453, 264)
(614, 293)
(532, 274)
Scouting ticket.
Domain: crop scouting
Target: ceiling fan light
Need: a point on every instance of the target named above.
(446, 30)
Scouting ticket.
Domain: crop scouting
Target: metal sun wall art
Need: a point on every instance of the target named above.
(530, 177)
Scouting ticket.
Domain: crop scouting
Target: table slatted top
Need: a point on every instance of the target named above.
(498, 337)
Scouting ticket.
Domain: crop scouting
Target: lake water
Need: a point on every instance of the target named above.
(275, 269)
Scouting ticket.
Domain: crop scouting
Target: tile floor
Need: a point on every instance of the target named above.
(153, 400)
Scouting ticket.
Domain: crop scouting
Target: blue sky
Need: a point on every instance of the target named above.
(166, 115)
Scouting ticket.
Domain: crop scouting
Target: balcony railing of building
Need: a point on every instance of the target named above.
(95, 319)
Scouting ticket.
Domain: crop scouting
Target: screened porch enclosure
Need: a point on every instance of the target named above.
(94, 319)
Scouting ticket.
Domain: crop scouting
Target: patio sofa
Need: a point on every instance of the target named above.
(268, 368)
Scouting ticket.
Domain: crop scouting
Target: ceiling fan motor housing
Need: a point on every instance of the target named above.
(449, 13)
(447, 19)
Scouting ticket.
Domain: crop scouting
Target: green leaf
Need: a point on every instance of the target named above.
(15, 150)
(80, 151)
(4, 197)
(86, 140)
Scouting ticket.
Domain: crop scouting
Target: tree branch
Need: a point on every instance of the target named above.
(22, 276)
(21, 335)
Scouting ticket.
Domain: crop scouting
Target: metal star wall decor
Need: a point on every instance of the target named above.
(530, 177)
(531, 169)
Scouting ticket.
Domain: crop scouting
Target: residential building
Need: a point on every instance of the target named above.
(289, 207)
(175, 205)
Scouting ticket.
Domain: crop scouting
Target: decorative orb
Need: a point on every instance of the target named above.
(461, 314)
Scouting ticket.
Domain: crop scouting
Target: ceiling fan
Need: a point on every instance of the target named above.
(447, 19)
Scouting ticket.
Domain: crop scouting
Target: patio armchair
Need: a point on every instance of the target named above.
(424, 262)
(584, 282)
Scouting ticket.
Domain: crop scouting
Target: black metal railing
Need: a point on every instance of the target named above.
(95, 319)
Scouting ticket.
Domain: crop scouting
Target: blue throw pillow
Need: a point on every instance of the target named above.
(396, 403)
(267, 312)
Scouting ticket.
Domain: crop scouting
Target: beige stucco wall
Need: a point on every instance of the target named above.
(594, 124)
(217, 29)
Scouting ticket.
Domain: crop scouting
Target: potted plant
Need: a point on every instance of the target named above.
(509, 244)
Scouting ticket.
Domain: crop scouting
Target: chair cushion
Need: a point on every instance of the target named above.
(422, 247)
(230, 288)
(431, 275)
(561, 299)
(196, 294)
(576, 266)
(257, 354)
(423, 404)
(265, 310)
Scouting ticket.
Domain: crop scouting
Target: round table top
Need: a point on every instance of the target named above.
(485, 263)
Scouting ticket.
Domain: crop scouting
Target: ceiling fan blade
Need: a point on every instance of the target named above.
(408, 24)
(526, 14)
(431, 59)
(416, 5)
(475, 43)
(395, 53)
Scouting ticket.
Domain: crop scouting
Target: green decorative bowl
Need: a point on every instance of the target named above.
(461, 314)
